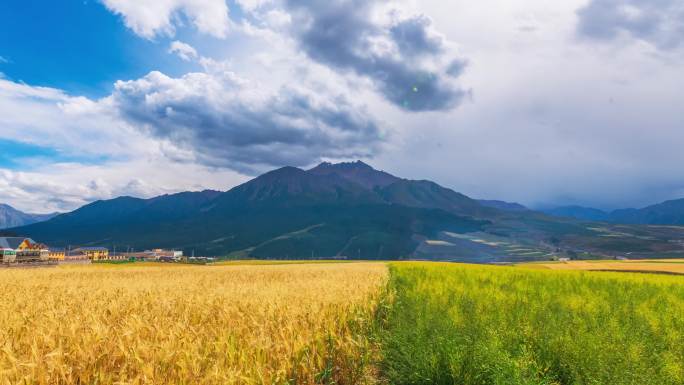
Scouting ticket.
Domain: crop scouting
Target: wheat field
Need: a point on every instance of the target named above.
(288, 324)
(646, 266)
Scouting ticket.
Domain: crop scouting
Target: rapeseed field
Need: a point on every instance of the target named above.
(460, 324)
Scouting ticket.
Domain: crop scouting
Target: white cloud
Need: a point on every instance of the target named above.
(229, 122)
(132, 163)
(400, 54)
(183, 50)
(150, 18)
(553, 118)
(657, 22)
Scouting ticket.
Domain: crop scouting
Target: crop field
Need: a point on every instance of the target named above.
(340, 323)
(165, 324)
(663, 266)
(460, 324)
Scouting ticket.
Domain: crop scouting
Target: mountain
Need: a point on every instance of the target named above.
(11, 217)
(578, 212)
(348, 209)
(666, 213)
(501, 205)
(120, 218)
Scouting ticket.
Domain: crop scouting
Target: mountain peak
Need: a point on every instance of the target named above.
(357, 172)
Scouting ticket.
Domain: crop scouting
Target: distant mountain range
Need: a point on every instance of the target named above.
(666, 213)
(11, 217)
(344, 210)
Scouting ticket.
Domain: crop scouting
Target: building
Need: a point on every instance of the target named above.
(159, 253)
(117, 257)
(92, 253)
(20, 249)
(156, 255)
(56, 254)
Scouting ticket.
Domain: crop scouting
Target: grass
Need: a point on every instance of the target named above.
(171, 324)
(460, 324)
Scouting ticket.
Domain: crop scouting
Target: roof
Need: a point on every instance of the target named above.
(13, 242)
(92, 249)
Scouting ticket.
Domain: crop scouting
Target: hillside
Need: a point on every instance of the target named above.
(666, 213)
(11, 217)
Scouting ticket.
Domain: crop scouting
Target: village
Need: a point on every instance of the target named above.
(16, 251)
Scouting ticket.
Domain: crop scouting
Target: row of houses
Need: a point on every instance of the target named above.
(20, 249)
(17, 249)
(81, 253)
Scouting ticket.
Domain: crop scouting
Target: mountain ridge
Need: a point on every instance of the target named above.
(11, 217)
(669, 212)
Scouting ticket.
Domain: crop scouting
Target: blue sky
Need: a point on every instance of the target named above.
(544, 103)
(15, 155)
(75, 45)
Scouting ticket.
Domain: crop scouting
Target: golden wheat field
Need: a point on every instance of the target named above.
(646, 266)
(282, 324)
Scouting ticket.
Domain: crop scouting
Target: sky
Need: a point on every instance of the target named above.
(540, 102)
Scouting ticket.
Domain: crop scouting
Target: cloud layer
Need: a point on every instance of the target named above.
(554, 119)
(659, 22)
(225, 121)
(160, 17)
(406, 60)
(77, 129)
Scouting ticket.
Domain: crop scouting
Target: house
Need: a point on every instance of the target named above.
(156, 255)
(20, 249)
(92, 253)
(117, 257)
(56, 254)
(159, 253)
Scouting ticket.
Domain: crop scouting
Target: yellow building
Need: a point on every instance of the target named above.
(93, 253)
(56, 254)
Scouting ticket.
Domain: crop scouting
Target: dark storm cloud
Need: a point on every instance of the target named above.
(659, 22)
(406, 61)
(225, 124)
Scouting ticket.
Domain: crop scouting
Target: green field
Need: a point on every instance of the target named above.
(460, 324)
